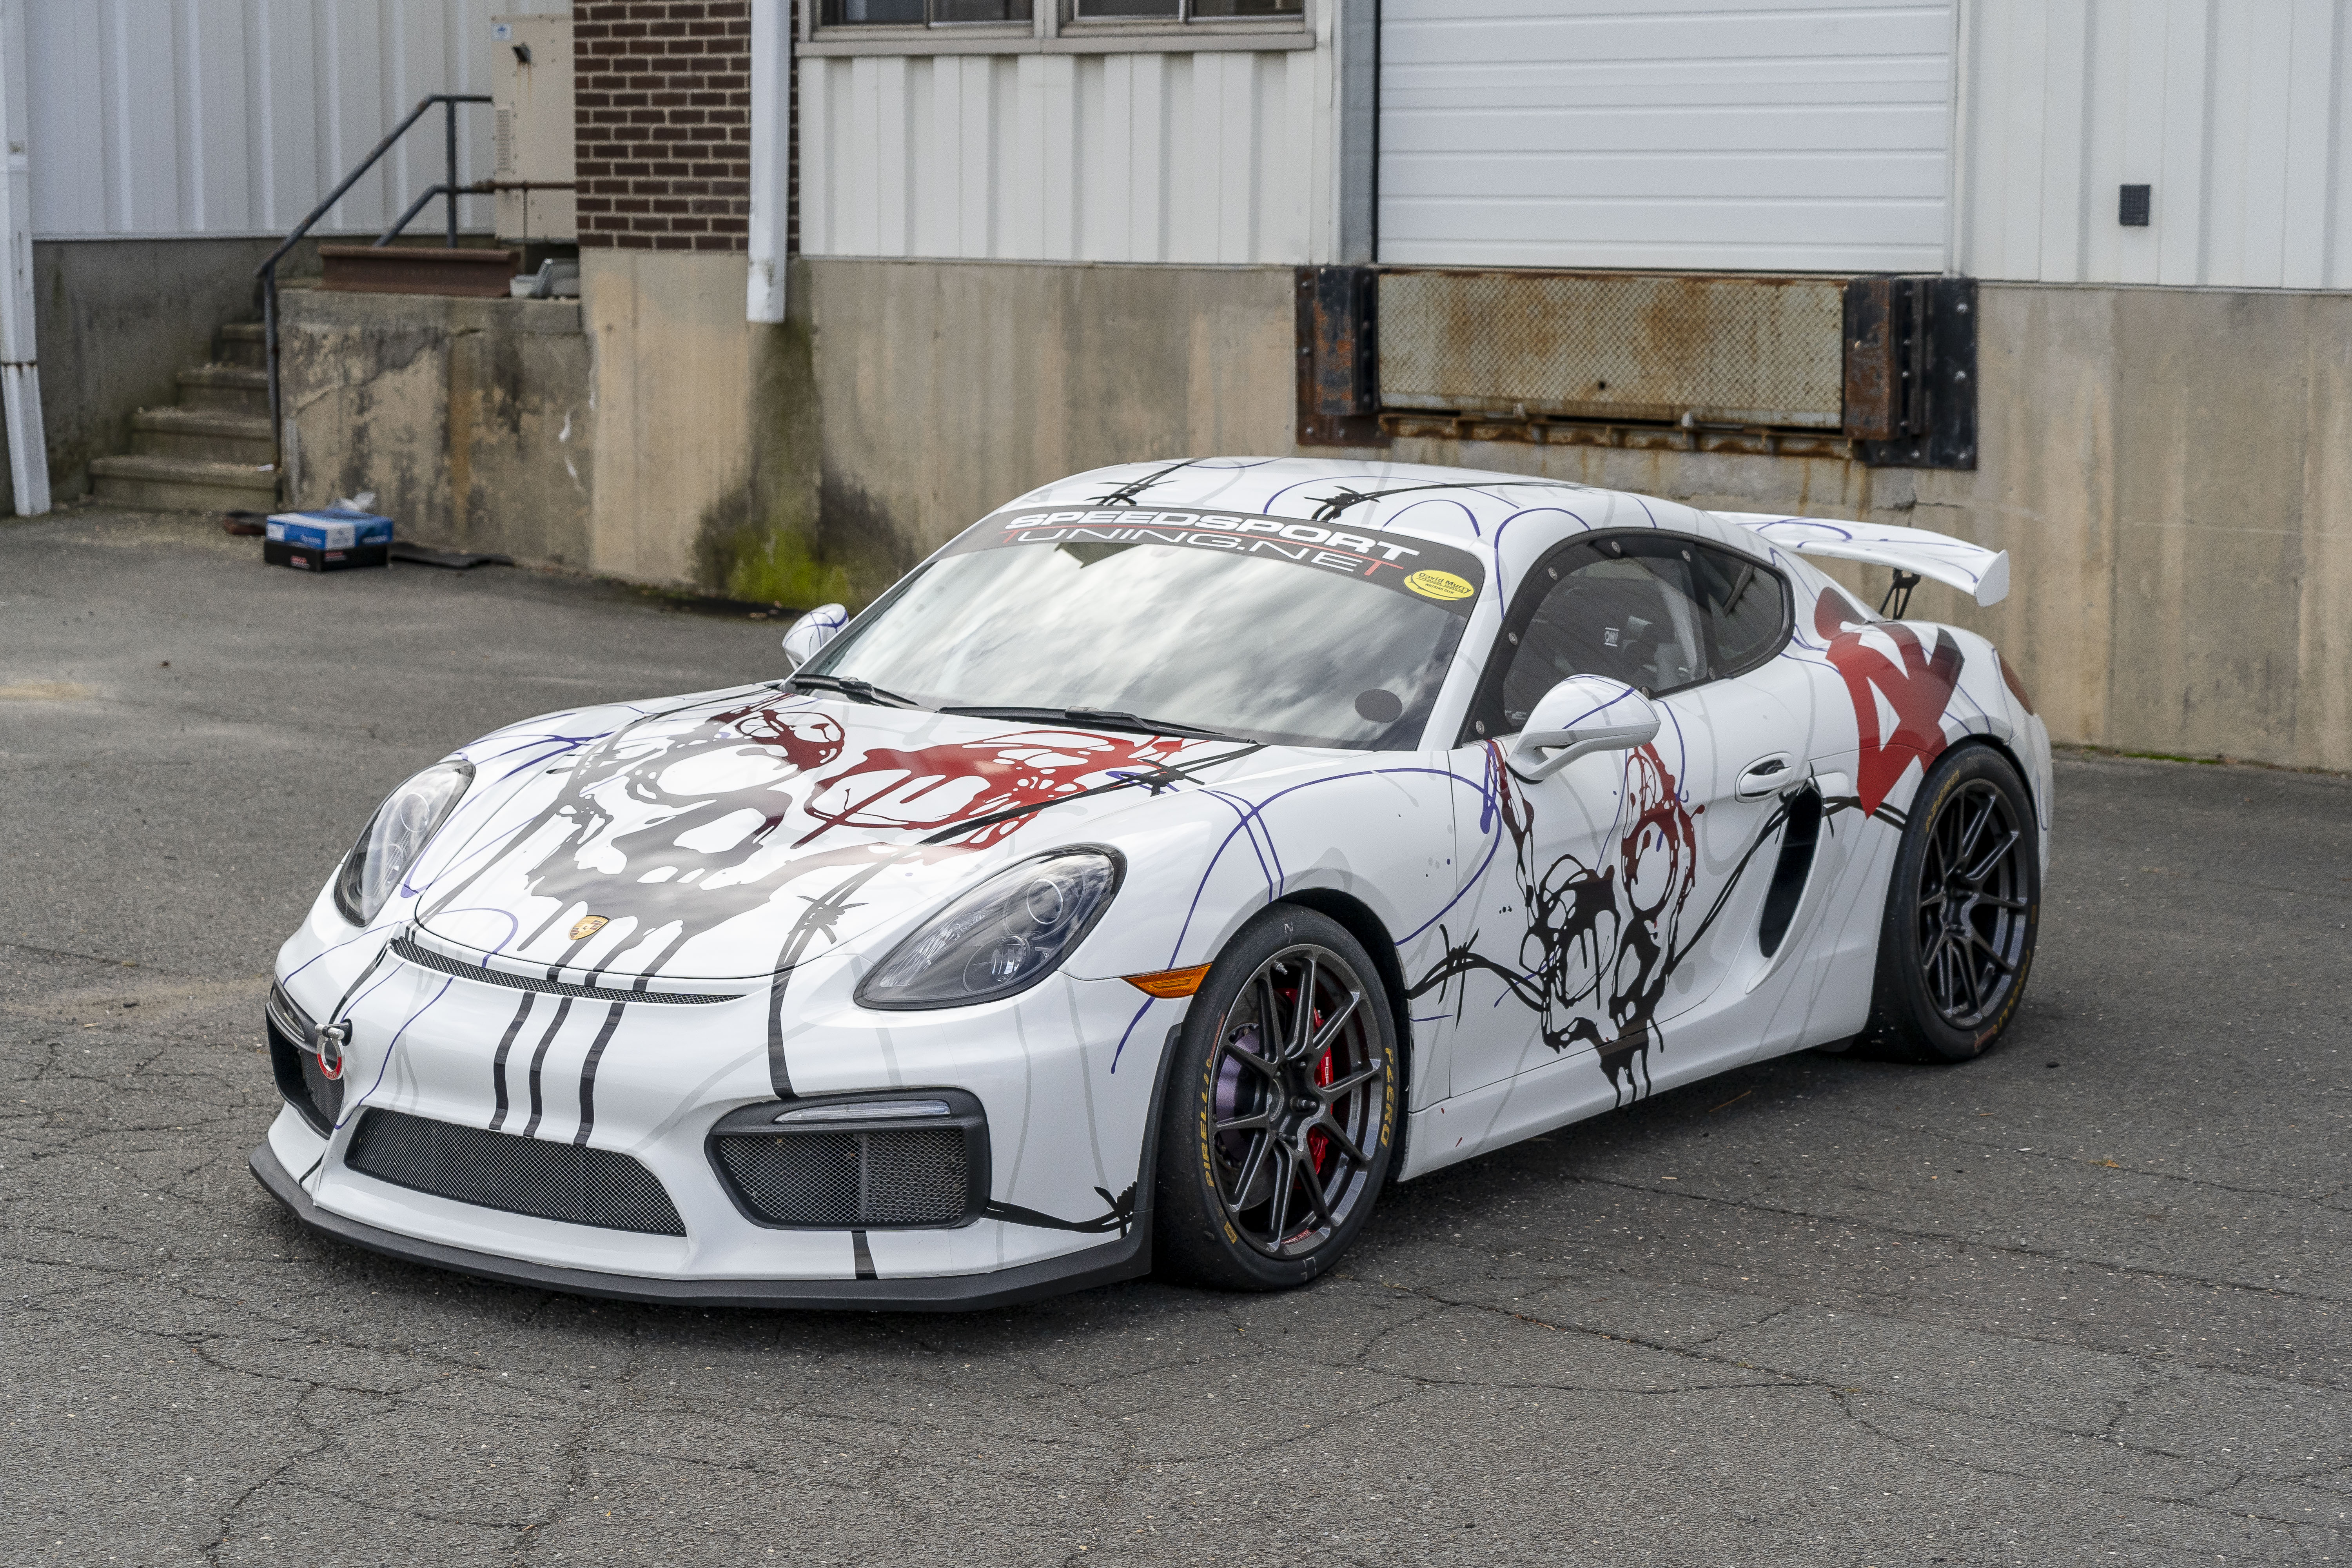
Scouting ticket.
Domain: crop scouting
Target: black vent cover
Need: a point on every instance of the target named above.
(875, 1173)
(1789, 873)
(568, 1182)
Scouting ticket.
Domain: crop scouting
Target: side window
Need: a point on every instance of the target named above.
(1625, 608)
(1747, 610)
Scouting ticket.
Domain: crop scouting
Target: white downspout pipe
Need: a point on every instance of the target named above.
(20, 373)
(772, 87)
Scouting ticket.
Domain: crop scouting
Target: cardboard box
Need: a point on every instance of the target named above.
(326, 541)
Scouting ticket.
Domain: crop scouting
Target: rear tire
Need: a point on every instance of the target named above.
(1962, 909)
(1281, 1120)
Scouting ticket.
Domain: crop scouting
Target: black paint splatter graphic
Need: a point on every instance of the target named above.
(1601, 943)
(1599, 946)
(734, 780)
(675, 891)
(1119, 1215)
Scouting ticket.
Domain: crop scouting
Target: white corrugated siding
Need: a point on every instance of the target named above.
(2232, 110)
(1207, 157)
(219, 117)
(1590, 133)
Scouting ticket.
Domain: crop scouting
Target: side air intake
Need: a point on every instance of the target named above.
(1802, 837)
(895, 1161)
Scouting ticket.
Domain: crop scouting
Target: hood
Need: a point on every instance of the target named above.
(721, 839)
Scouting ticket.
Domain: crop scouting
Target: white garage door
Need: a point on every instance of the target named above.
(1605, 134)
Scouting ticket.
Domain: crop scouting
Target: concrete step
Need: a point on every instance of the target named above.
(183, 484)
(231, 388)
(241, 343)
(209, 435)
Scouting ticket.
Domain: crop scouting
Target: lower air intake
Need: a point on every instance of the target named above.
(851, 1180)
(566, 1181)
(317, 1098)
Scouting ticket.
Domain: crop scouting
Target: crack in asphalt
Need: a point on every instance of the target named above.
(1953, 1238)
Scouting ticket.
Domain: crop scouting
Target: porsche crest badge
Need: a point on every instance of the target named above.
(582, 930)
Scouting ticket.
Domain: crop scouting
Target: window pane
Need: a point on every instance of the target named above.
(1631, 618)
(1744, 603)
(1095, 10)
(1264, 649)
(1204, 10)
(869, 13)
(980, 10)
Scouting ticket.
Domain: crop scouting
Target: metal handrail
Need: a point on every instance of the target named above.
(479, 188)
(267, 272)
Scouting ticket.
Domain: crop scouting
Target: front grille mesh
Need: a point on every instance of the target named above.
(567, 1182)
(425, 958)
(852, 1180)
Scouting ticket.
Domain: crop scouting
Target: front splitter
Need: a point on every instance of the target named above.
(1122, 1259)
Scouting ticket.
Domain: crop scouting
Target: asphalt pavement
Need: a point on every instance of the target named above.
(2081, 1302)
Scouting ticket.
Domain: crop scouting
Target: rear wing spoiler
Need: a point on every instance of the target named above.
(1983, 574)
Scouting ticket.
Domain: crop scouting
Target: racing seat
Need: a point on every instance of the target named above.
(1614, 619)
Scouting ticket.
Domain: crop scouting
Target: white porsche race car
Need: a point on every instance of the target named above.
(1175, 858)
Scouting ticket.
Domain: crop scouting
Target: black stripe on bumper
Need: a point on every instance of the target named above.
(1122, 1259)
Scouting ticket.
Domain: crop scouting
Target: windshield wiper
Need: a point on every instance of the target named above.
(856, 691)
(1095, 719)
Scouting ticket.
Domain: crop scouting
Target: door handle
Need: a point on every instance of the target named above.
(1766, 775)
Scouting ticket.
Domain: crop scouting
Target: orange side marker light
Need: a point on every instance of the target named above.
(1171, 983)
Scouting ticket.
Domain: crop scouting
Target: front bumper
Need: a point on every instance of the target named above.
(1122, 1259)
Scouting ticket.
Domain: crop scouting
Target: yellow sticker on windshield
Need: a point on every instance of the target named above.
(1433, 585)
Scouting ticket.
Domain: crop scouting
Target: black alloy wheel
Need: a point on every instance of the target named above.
(1282, 1107)
(1961, 913)
(1971, 905)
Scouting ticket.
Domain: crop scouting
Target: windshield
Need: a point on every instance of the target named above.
(1269, 630)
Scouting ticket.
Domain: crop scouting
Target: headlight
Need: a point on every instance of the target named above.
(1003, 936)
(395, 835)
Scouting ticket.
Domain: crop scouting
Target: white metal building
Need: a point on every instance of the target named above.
(1989, 138)
(167, 119)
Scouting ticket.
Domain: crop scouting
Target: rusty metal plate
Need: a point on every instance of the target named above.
(1748, 349)
(417, 270)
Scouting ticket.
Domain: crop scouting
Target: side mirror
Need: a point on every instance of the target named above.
(809, 634)
(1582, 715)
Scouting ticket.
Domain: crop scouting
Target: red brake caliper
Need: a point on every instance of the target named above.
(1318, 1144)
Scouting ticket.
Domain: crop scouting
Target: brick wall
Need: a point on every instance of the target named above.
(662, 122)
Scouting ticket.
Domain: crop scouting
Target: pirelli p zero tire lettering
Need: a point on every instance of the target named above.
(1962, 909)
(1281, 1115)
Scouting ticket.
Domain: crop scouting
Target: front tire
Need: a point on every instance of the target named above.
(1282, 1107)
(1962, 909)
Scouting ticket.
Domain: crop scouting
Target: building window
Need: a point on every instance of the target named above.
(918, 13)
(1183, 10)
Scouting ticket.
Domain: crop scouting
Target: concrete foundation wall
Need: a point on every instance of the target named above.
(2172, 471)
(116, 320)
(673, 379)
(944, 389)
(471, 419)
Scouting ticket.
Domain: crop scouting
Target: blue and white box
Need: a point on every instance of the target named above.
(326, 541)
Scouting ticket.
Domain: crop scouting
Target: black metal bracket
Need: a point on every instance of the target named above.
(1898, 596)
(1911, 371)
(1338, 357)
